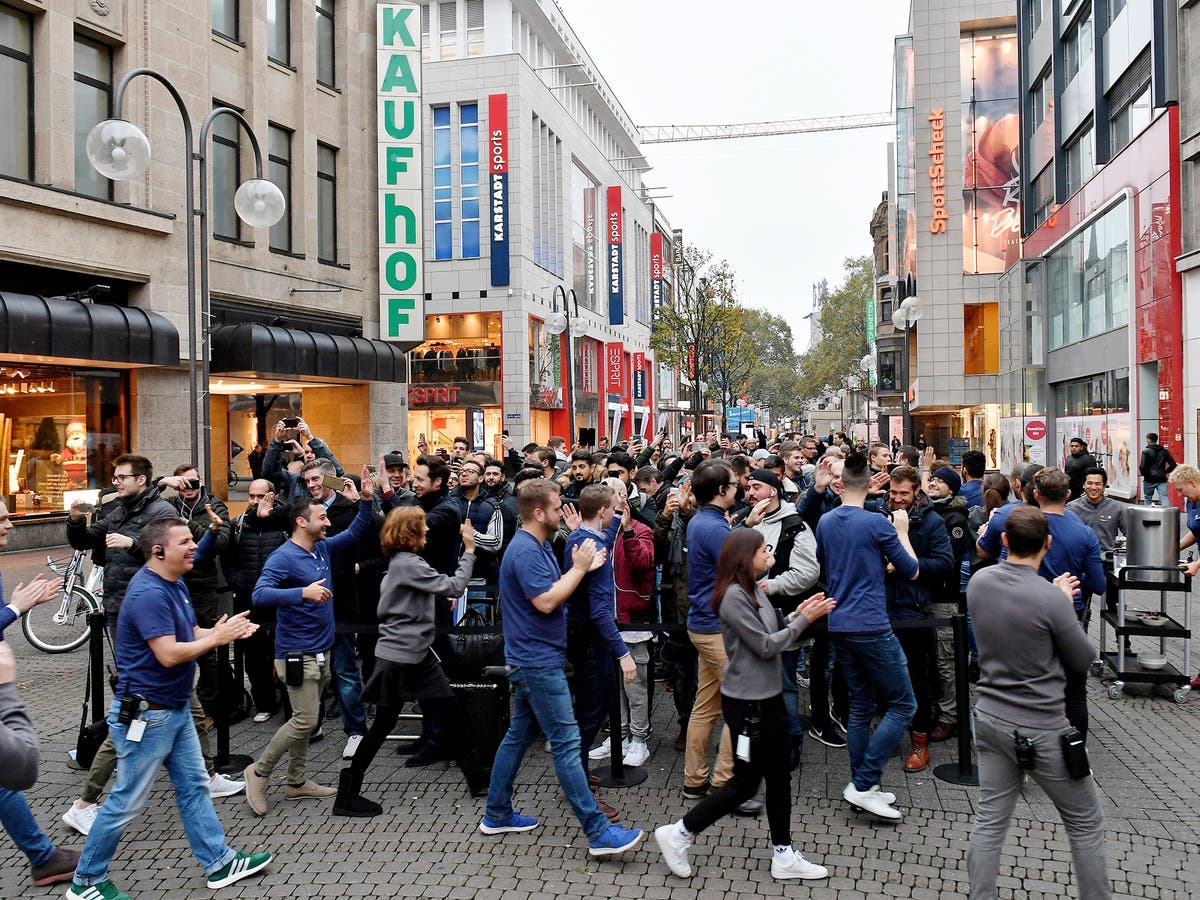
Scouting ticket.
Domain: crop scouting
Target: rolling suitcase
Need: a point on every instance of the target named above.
(485, 706)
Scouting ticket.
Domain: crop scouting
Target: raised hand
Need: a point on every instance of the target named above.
(816, 606)
(26, 596)
(214, 521)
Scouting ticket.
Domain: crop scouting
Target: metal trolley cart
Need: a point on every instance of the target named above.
(1128, 668)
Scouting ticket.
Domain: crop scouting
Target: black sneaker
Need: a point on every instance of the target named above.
(699, 792)
(829, 736)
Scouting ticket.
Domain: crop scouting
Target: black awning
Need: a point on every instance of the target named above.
(36, 326)
(260, 350)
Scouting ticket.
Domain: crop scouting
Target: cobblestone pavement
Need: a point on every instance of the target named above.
(1143, 749)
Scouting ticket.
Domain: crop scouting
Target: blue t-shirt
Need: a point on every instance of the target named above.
(706, 533)
(990, 542)
(1193, 519)
(972, 492)
(853, 547)
(532, 639)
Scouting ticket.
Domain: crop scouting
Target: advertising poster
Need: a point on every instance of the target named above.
(1109, 439)
(616, 274)
(498, 188)
(1021, 440)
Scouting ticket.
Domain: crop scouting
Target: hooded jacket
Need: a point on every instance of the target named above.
(911, 599)
(953, 511)
(794, 575)
(408, 601)
(633, 571)
(127, 516)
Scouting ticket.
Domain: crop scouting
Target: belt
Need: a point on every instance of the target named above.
(150, 704)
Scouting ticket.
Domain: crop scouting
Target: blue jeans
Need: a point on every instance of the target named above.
(874, 664)
(347, 681)
(170, 740)
(1149, 490)
(541, 697)
(789, 660)
(593, 686)
(21, 826)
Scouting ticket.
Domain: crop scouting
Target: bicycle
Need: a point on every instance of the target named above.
(233, 478)
(62, 626)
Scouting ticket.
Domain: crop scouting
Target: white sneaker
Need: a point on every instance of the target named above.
(888, 796)
(793, 865)
(352, 746)
(869, 801)
(636, 753)
(674, 847)
(260, 717)
(600, 751)
(81, 819)
(220, 786)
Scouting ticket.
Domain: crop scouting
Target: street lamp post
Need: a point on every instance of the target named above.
(120, 151)
(556, 323)
(907, 314)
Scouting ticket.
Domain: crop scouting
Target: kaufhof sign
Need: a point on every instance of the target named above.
(498, 185)
(401, 235)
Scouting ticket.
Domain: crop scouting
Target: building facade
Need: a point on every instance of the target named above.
(1188, 263)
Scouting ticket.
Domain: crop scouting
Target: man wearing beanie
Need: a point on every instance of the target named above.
(791, 578)
(943, 490)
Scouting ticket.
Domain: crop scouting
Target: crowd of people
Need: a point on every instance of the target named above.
(741, 570)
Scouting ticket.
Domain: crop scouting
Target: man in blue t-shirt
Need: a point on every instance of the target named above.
(853, 546)
(974, 465)
(157, 644)
(532, 592)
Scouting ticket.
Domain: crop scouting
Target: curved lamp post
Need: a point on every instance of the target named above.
(569, 321)
(120, 151)
(906, 315)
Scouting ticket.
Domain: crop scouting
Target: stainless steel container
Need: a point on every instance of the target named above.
(1153, 539)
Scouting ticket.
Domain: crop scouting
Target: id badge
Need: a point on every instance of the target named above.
(743, 747)
(320, 659)
(136, 729)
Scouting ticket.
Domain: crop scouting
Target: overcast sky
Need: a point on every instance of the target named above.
(785, 211)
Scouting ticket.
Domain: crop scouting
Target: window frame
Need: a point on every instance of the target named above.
(465, 187)
(28, 60)
(326, 9)
(331, 178)
(443, 193)
(78, 78)
(272, 161)
(286, 6)
(236, 146)
(237, 19)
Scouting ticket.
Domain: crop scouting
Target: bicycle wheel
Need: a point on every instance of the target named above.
(234, 478)
(50, 636)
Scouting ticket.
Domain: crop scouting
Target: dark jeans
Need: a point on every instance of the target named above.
(258, 655)
(920, 650)
(826, 680)
(681, 656)
(1075, 695)
(875, 667)
(592, 686)
(768, 761)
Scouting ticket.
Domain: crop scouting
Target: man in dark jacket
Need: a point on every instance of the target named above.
(288, 485)
(943, 491)
(913, 599)
(501, 491)
(1154, 467)
(475, 504)
(256, 534)
(1079, 460)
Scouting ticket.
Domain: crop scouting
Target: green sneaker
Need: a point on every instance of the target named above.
(105, 890)
(236, 869)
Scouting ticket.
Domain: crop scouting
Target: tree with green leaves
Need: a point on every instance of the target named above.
(843, 329)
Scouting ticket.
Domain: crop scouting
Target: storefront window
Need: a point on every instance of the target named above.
(60, 430)
(1089, 279)
(459, 348)
(1096, 410)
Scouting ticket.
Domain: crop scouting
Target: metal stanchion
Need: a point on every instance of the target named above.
(617, 774)
(964, 771)
(225, 762)
(97, 622)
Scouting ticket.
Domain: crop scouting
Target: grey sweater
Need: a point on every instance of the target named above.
(411, 590)
(1028, 636)
(18, 743)
(753, 642)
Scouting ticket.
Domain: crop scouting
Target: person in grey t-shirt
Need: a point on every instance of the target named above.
(1102, 514)
(1028, 638)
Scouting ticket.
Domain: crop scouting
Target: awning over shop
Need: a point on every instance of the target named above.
(269, 350)
(55, 328)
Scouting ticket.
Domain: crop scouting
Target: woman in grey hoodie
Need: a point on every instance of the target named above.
(752, 703)
(406, 668)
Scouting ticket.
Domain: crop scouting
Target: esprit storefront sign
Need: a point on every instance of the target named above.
(937, 169)
(616, 277)
(401, 235)
(498, 185)
(614, 367)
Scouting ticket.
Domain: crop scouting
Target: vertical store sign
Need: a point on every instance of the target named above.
(656, 273)
(401, 245)
(589, 242)
(614, 368)
(691, 362)
(498, 185)
(639, 376)
(616, 277)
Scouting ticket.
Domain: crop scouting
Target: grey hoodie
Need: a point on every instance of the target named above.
(18, 743)
(407, 599)
(802, 568)
(753, 642)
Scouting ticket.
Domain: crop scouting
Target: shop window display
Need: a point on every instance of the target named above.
(60, 430)
(458, 348)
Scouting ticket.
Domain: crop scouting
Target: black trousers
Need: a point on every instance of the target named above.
(768, 762)
(920, 648)
(680, 656)
(825, 688)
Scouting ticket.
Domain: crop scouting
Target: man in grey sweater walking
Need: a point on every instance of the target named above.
(1028, 638)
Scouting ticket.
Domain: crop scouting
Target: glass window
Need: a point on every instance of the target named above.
(226, 176)
(16, 93)
(1033, 14)
(225, 18)
(325, 60)
(63, 428)
(443, 199)
(448, 12)
(93, 104)
(1081, 160)
(1041, 191)
(279, 31)
(1089, 279)
(1041, 96)
(474, 27)
(1115, 8)
(425, 32)
(468, 151)
(327, 248)
(888, 367)
(981, 339)
(279, 170)
(1077, 48)
(1129, 121)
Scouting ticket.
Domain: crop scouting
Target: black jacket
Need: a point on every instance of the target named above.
(125, 517)
(1156, 463)
(954, 516)
(443, 541)
(252, 541)
(1076, 467)
(202, 580)
(343, 582)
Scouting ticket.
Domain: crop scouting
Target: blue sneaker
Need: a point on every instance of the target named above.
(615, 840)
(514, 822)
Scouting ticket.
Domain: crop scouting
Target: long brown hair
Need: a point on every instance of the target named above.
(736, 565)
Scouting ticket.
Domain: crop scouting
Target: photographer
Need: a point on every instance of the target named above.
(289, 484)
(1029, 639)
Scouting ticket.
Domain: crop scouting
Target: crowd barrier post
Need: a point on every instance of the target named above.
(616, 773)
(97, 622)
(225, 762)
(964, 771)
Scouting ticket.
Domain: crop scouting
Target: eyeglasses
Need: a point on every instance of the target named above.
(119, 479)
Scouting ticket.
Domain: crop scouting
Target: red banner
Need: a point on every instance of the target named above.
(639, 376)
(614, 368)
(691, 362)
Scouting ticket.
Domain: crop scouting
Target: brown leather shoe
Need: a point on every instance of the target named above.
(943, 733)
(608, 809)
(918, 760)
(593, 781)
(681, 740)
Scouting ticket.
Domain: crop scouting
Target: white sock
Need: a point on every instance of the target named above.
(682, 829)
(783, 849)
